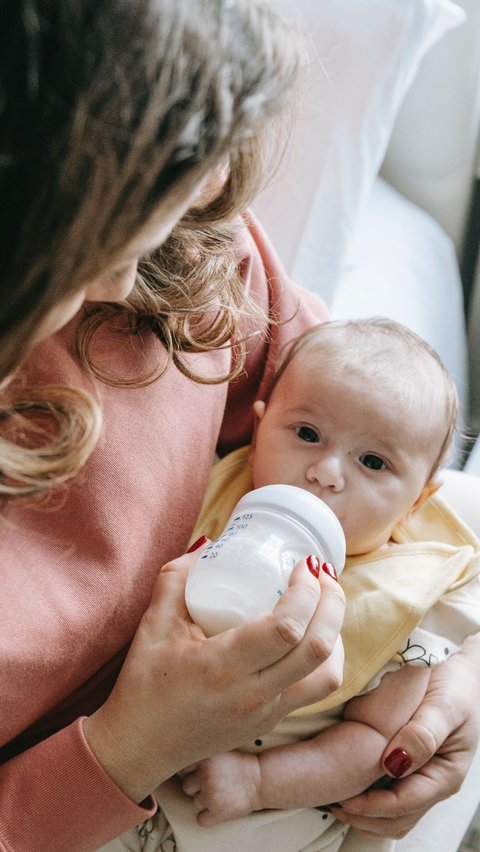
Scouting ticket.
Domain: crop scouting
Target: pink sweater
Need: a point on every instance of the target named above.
(75, 582)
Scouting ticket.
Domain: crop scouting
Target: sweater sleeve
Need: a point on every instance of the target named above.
(293, 310)
(49, 774)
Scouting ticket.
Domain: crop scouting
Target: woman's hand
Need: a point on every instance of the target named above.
(432, 753)
(181, 697)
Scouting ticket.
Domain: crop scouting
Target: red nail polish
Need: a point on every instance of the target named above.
(398, 762)
(198, 543)
(328, 568)
(313, 564)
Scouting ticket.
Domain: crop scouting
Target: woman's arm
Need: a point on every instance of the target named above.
(179, 697)
(443, 735)
(72, 800)
(440, 740)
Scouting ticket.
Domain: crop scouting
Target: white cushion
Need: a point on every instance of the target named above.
(401, 264)
(473, 466)
(364, 54)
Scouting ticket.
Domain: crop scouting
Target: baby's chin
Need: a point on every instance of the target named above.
(362, 548)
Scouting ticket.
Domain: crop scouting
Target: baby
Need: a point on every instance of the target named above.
(362, 414)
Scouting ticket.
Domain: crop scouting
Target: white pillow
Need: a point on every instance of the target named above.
(401, 264)
(364, 54)
(473, 463)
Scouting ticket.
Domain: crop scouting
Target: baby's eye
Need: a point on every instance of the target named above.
(306, 433)
(372, 461)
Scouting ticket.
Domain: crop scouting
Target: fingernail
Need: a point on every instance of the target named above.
(398, 762)
(313, 565)
(328, 568)
(198, 543)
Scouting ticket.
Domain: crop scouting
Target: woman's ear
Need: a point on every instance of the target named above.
(430, 488)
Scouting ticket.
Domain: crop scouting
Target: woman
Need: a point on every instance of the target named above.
(116, 118)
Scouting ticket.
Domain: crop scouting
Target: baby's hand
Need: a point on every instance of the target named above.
(224, 787)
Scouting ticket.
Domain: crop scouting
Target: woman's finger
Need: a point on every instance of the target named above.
(167, 604)
(303, 632)
(380, 828)
(385, 813)
(314, 668)
(320, 683)
(394, 811)
(266, 640)
(258, 643)
(285, 645)
(401, 798)
(287, 652)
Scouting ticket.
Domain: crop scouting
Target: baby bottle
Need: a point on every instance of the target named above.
(246, 570)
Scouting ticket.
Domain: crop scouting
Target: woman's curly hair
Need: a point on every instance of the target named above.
(112, 112)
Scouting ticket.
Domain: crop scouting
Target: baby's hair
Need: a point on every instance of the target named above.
(374, 345)
(112, 113)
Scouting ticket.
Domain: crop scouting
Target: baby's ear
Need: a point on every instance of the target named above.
(258, 411)
(430, 488)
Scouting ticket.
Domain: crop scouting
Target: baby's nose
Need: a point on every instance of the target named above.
(327, 470)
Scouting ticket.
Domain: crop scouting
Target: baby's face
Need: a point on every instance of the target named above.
(363, 454)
